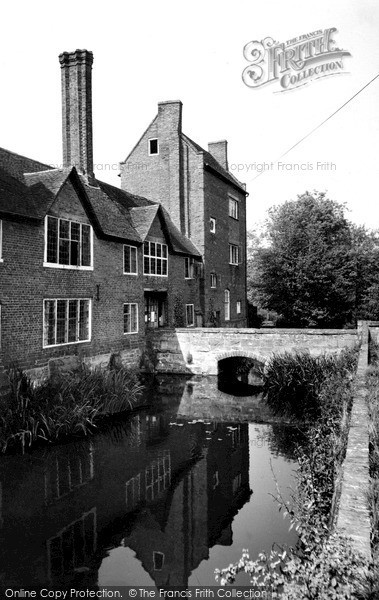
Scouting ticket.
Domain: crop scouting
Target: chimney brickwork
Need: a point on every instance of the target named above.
(219, 151)
(76, 69)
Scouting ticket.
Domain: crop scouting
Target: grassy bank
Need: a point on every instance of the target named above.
(72, 405)
(317, 393)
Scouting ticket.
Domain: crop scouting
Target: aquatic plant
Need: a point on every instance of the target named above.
(293, 382)
(72, 404)
(322, 565)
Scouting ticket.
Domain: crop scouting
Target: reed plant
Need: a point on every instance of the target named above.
(317, 392)
(73, 404)
(293, 383)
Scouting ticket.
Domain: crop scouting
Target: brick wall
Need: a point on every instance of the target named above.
(216, 253)
(191, 200)
(25, 283)
(157, 177)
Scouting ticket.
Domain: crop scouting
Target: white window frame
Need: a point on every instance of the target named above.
(149, 146)
(213, 280)
(58, 265)
(233, 208)
(134, 248)
(227, 304)
(130, 304)
(44, 345)
(238, 307)
(234, 253)
(155, 257)
(212, 225)
(189, 268)
(192, 310)
(1, 241)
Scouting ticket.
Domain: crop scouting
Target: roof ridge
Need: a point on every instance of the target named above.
(50, 167)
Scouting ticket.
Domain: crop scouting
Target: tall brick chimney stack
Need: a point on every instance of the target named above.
(219, 151)
(76, 68)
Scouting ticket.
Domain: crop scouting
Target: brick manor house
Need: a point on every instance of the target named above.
(86, 268)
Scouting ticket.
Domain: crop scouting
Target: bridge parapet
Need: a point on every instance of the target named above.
(198, 350)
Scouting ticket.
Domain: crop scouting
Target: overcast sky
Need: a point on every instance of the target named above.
(193, 51)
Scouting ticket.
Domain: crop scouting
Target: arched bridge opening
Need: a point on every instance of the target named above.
(240, 375)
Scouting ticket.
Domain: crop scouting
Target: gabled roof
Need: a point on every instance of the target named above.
(143, 217)
(113, 218)
(114, 213)
(214, 165)
(180, 243)
(210, 162)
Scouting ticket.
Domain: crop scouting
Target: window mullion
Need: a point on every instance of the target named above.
(55, 320)
(80, 244)
(66, 321)
(77, 320)
(58, 234)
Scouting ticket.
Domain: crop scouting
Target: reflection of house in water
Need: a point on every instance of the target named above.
(172, 537)
(72, 548)
(168, 491)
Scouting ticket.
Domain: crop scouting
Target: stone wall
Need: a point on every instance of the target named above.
(353, 518)
(198, 351)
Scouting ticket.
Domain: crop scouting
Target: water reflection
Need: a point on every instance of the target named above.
(144, 502)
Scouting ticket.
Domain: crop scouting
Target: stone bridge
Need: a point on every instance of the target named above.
(199, 350)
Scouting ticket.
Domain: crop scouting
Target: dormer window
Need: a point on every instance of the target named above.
(153, 146)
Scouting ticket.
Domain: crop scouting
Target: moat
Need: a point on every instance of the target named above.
(161, 498)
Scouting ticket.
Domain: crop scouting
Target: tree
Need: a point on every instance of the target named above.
(314, 267)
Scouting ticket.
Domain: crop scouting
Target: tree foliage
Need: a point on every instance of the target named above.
(313, 266)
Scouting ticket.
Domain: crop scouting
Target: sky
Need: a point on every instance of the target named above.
(152, 51)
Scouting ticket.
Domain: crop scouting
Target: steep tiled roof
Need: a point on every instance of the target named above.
(143, 217)
(116, 213)
(16, 165)
(179, 242)
(15, 198)
(113, 218)
(214, 164)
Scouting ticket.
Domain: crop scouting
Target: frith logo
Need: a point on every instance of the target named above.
(293, 63)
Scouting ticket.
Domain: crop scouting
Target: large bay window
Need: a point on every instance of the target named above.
(66, 321)
(155, 259)
(68, 244)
